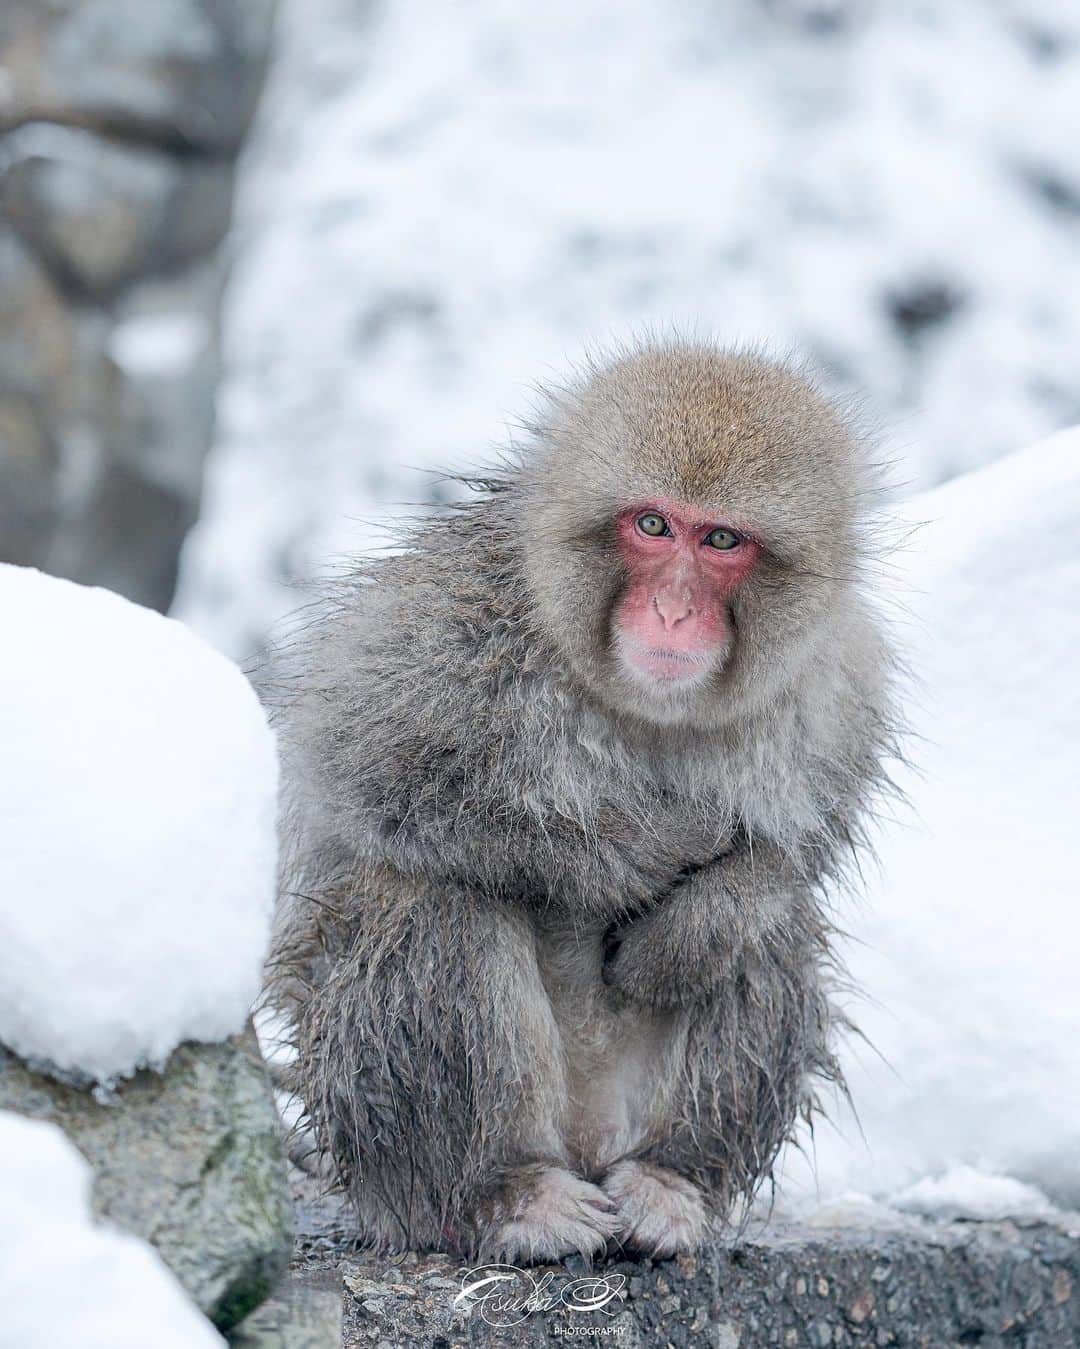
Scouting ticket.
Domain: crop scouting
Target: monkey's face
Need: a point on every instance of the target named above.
(691, 532)
(672, 625)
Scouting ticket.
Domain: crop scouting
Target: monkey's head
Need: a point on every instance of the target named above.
(691, 521)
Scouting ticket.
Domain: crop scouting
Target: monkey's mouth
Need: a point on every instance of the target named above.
(664, 663)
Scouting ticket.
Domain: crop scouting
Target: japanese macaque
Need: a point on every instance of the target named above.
(567, 778)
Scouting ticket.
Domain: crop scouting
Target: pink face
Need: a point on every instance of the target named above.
(673, 622)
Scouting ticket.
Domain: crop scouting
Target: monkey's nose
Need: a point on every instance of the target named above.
(672, 609)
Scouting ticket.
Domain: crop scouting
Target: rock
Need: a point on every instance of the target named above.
(119, 127)
(28, 470)
(106, 418)
(295, 1316)
(101, 214)
(913, 1282)
(190, 1159)
(164, 339)
(125, 528)
(64, 408)
(100, 468)
(182, 74)
(127, 538)
(38, 334)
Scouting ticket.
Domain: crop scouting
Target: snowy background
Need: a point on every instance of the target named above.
(966, 943)
(444, 203)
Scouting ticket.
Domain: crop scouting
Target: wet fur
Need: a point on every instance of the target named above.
(536, 922)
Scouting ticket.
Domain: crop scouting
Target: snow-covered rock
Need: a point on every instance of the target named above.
(137, 831)
(66, 1279)
(190, 1159)
(967, 945)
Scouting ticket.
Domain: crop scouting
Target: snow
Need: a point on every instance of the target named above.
(968, 942)
(444, 203)
(137, 831)
(64, 1278)
(964, 1192)
(155, 346)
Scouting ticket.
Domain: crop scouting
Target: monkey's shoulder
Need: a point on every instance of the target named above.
(423, 667)
(437, 718)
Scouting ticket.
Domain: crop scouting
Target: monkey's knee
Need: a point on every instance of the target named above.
(540, 1213)
(659, 1213)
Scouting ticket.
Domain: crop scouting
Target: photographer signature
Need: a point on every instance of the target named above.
(505, 1295)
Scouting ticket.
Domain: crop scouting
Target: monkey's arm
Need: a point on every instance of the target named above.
(679, 951)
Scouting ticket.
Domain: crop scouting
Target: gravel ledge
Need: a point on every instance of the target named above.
(911, 1282)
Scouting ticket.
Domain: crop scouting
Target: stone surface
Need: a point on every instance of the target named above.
(119, 126)
(127, 538)
(295, 1316)
(912, 1283)
(182, 73)
(37, 330)
(100, 468)
(164, 340)
(28, 470)
(190, 1159)
(102, 214)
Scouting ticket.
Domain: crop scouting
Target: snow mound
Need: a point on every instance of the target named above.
(968, 944)
(138, 786)
(65, 1280)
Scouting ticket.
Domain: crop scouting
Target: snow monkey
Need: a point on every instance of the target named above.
(568, 775)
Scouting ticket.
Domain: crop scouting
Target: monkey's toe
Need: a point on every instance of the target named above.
(659, 1213)
(552, 1214)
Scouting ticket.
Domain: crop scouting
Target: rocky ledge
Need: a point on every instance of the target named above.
(189, 1159)
(908, 1282)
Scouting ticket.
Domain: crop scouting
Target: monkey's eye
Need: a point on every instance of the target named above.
(723, 539)
(652, 524)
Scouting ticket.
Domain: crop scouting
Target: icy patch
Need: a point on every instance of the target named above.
(65, 1279)
(138, 788)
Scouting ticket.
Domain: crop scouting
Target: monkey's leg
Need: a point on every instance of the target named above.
(745, 1072)
(750, 1034)
(433, 1072)
(621, 1062)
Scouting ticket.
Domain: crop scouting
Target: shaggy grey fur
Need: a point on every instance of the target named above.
(539, 921)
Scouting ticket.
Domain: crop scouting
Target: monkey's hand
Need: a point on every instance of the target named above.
(680, 951)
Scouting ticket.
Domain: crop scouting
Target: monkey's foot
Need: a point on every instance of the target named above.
(544, 1213)
(659, 1212)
